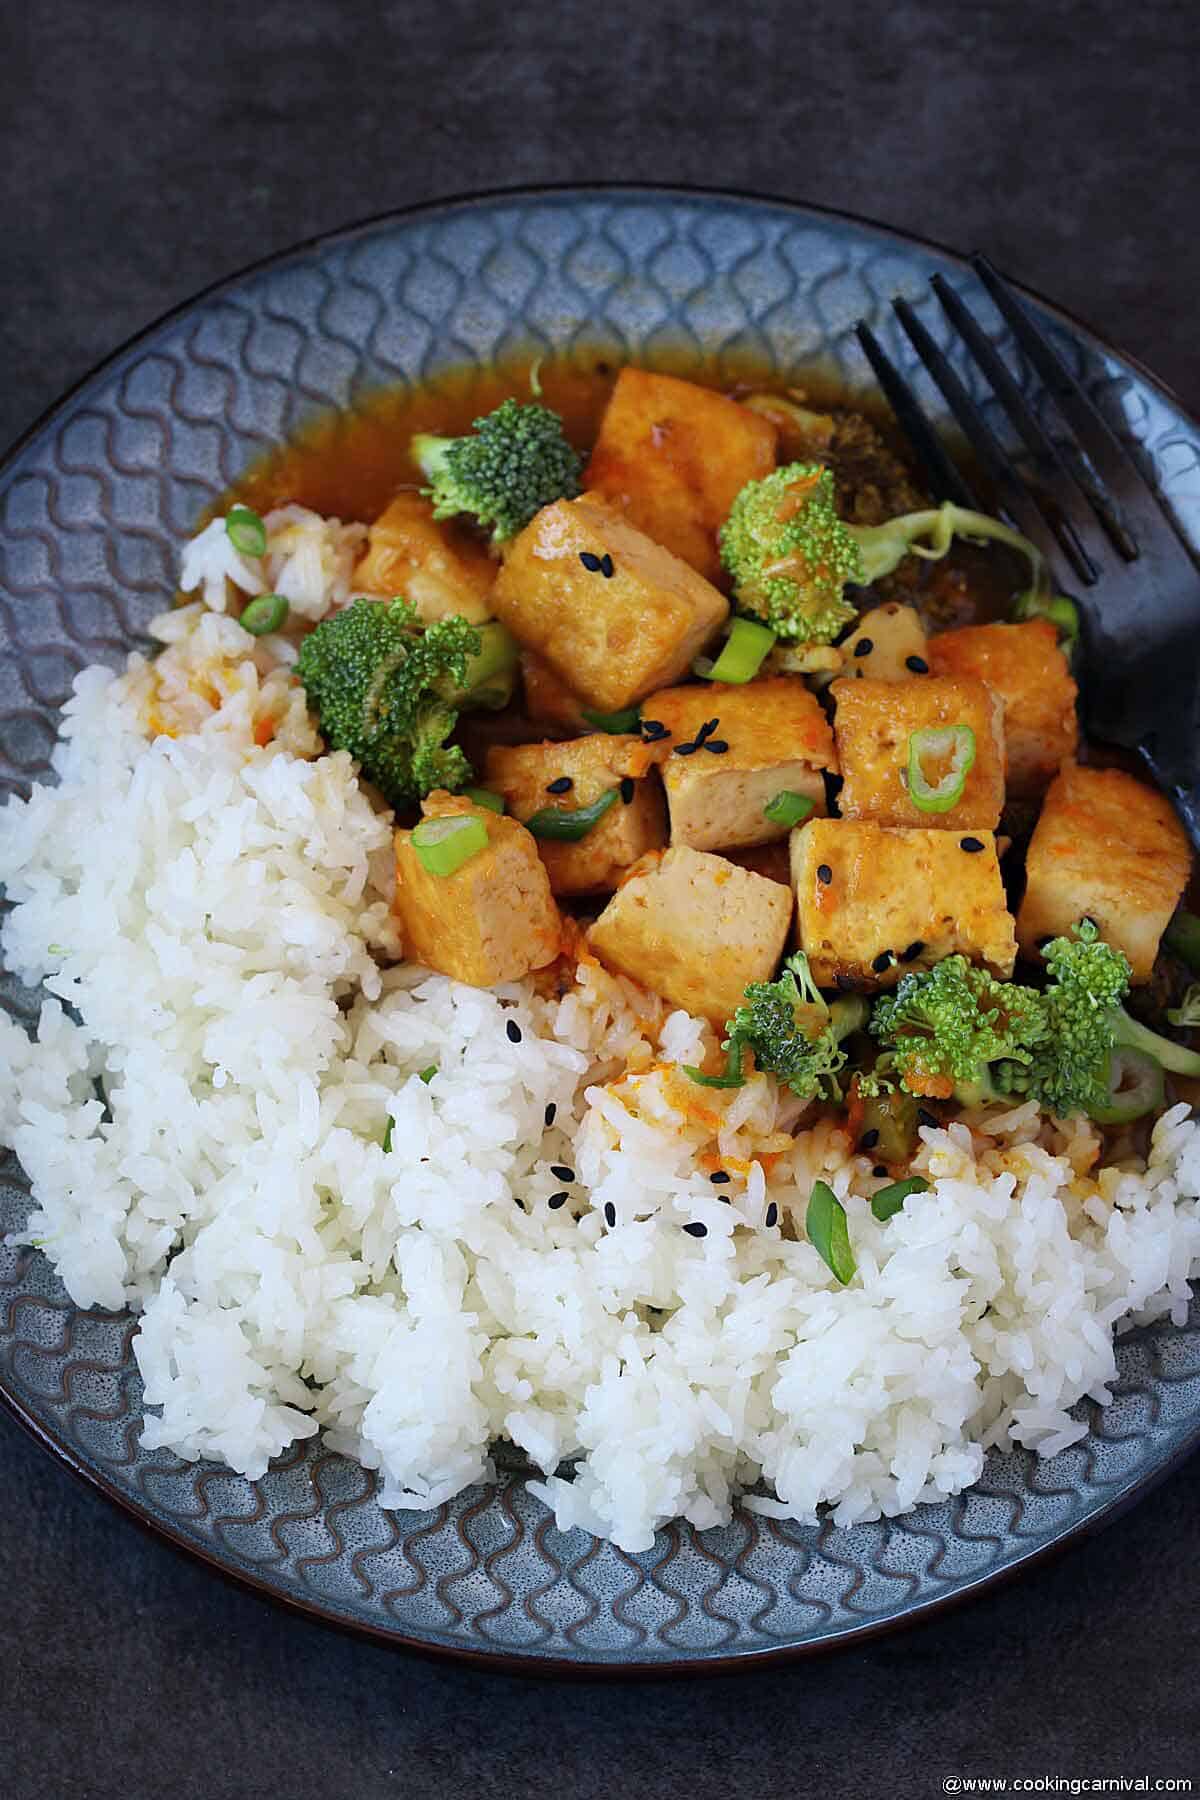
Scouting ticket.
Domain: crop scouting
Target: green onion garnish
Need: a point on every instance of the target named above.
(1182, 938)
(428, 1074)
(387, 1135)
(732, 1078)
(888, 1201)
(484, 797)
(1061, 612)
(264, 615)
(615, 723)
(565, 824)
(828, 1233)
(246, 530)
(444, 845)
(746, 649)
(788, 808)
(955, 741)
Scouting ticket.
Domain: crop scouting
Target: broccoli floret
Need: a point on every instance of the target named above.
(791, 556)
(516, 462)
(794, 1032)
(1086, 1022)
(389, 693)
(954, 1031)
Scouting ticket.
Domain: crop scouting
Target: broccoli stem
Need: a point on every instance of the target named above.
(930, 534)
(1130, 1033)
(491, 670)
(429, 452)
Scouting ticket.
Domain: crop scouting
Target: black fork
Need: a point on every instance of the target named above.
(1090, 510)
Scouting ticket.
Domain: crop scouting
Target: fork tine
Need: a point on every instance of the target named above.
(1055, 480)
(945, 479)
(1019, 502)
(1129, 507)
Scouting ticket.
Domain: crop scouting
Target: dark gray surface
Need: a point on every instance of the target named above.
(143, 159)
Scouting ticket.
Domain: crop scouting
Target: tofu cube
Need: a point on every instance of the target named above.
(1030, 673)
(548, 699)
(1108, 848)
(883, 641)
(778, 738)
(872, 726)
(695, 929)
(494, 919)
(593, 766)
(611, 638)
(873, 901)
(439, 567)
(772, 860)
(673, 455)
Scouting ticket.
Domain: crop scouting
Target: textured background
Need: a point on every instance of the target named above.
(140, 162)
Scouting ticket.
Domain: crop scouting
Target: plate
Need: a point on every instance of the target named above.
(94, 505)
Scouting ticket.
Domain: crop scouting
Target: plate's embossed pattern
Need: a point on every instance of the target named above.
(93, 509)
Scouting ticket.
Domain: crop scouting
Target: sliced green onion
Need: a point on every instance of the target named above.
(565, 824)
(828, 1233)
(615, 723)
(264, 615)
(444, 845)
(387, 1135)
(246, 531)
(1182, 938)
(732, 1078)
(428, 1074)
(485, 797)
(788, 808)
(1062, 613)
(888, 1201)
(1135, 1087)
(955, 741)
(746, 649)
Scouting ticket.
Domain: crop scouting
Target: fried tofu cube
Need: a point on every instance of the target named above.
(494, 919)
(674, 455)
(527, 775)
(630, 618)
(873, 901)
(772, 860)
(437, 566)
(1109, 848)
(695, 929)
(777, 739)
(1029, 671)
(883, 643)
(872, 726)
(548, 699)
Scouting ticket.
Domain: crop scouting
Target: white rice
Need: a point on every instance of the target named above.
(214, 909)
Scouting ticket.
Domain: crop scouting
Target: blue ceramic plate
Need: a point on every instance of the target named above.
(94, 505)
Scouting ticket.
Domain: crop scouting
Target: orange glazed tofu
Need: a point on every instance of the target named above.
(1108, 848)
(531, 778)
(873, 901)
(759, 740)
(872, 726)
(494, 919)
(1028, 670)
(674, 455)
(613, 613)
(439, 567)
(695, 929)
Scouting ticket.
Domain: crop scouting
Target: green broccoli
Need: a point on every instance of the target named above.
(1186, 1016)
(794, 1032)
(1075, 1064)
(389, 692)
(791, 556)
(954, 1031)
(517, 462)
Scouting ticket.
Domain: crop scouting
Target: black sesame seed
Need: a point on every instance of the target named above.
(882, 961)
(696, 1229)
(925, 1117)
(864, 646)
(561, 1172)
(914, 950)
(824, 874)
(772, 1215)
(880, 1170)
(717, 746)
(917, 664)
(686, 749)
(550, 1112)
(707, 729)
(562, 784)
(519, 1202)
(610, 1213)
(627, 790)
(868, 1140)
(970, 845)
(590, 561)
(606, 566)
(555, 1201)
(653, 729)
(514, 1031)
(720, 1177)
